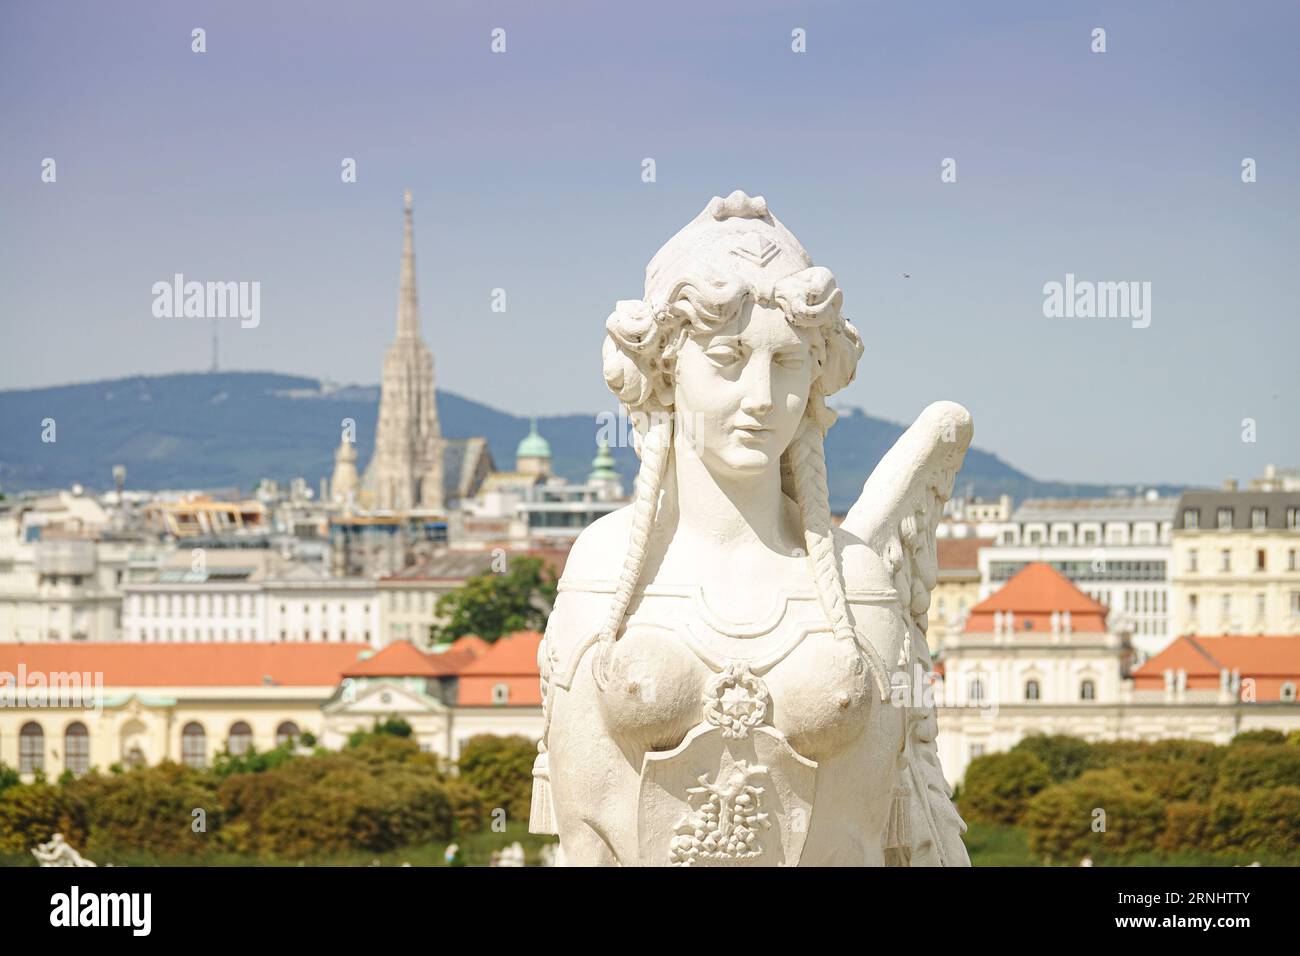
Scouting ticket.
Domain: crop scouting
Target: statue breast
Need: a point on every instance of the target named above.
(677, 664)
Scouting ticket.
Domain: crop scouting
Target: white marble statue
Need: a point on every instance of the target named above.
(728, 677)
(58, 852)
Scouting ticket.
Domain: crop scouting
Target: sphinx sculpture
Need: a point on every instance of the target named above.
(728, 676)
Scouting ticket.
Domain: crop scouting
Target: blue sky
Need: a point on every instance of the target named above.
(526, 172)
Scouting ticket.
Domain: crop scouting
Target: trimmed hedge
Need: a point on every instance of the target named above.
(380, 793)
(1101, 813)
(1169, 796)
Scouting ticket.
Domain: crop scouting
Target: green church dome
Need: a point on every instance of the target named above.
(533, 445)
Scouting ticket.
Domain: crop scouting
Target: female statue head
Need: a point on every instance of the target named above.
(737, 342)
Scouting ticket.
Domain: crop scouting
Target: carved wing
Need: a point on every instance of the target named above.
(896, 515)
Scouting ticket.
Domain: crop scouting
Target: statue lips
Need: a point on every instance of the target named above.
(753, 434)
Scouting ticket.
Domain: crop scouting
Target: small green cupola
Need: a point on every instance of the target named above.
(602, 466)
(533, 456)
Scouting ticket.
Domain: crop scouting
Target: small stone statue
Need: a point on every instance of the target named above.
(508, 856)
(59, 853)
(728, 677)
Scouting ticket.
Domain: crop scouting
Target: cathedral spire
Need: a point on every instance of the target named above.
(408, 311)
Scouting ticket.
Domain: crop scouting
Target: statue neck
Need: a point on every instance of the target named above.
(728, 512)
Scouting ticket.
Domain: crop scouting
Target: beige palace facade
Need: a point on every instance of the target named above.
(1236, 563)
(77, 707)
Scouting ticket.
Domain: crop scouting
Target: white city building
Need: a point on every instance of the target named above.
(237, 596)
(1116, 550)
(61, 570)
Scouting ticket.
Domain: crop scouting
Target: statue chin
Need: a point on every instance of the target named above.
(739, 461)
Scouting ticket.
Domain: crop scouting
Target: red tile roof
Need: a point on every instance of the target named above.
(960, 554)
(1032, 596)
(480, 666)
(470, 643)
(1269, 661)
(189, 665)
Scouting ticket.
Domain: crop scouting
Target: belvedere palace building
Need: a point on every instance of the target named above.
(72, 707)
(1039, 657)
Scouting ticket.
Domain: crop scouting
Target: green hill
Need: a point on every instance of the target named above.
(229, 429)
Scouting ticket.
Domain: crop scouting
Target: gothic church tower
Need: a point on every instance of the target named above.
(405, 471)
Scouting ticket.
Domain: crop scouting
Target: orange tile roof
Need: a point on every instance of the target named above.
(1032, 596)
(189, 665)
(512, 661)
(511, 655)
(1269, 661)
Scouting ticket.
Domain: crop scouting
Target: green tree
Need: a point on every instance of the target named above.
(8, 778)
(998, 787)
(501, 770)
(1248, 766)
(252, 761)
(1064, 756)
(32, 813)
(388, 727)
(1261, 736)
(1267, 820)
(492, 604)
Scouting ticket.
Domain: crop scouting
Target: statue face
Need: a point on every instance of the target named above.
(740, 392)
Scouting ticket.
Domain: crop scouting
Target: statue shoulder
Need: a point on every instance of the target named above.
(586, 589)
(864, 570)
(598, 552)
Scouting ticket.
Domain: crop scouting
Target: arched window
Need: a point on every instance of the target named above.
(1088, 690)
(286, 733)
(241, 738)
(31, 748)
(194, 745)
(501, 694)
(76, 748)
(1288, 692)
(1031, 690)
(976, 690)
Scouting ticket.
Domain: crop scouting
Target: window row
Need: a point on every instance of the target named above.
(1224, 518)
(977, 693)
(1260, 605)
(1079, 572)
(212, 635)
(1260, 562)
(194, 744)
(221, 605)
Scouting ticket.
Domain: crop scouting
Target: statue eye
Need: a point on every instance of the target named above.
(723, 354)
(790, 360)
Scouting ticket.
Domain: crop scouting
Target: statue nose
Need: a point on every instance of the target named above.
(757, 400)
